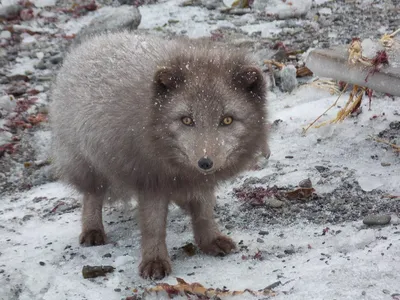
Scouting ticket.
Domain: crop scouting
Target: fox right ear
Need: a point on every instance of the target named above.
(250, 79)
(168, 78)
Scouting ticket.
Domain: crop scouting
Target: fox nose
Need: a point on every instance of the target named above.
(205, 163)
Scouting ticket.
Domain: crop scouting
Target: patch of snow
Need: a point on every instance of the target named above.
(28, 39)
(42, 142)
(325, 11)
(44, 3)
(340, 264)
(267, 29)
(24, 64)
(8, 2)
(370, 183)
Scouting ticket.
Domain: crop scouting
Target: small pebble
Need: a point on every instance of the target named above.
(262, 232)
(56, 59)
(289, 251)
(117, 290)
(107, 255)
(229, 226)
(42, 263)
(384, 164)
(306, 183)
(288, 156)
(321, 169)
(260, 240)
(275, 203)
(377, 220)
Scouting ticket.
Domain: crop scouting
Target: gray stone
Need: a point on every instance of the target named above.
(114, 19)
(10, 11)
(260, 240)
(56, 59)
(288, 78)
(263, 232)
(5, 34)
(372, 220)
(275, 203)
(305, 183)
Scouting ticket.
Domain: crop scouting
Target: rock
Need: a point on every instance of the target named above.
(275, 203)
(289, 251)
(288, 78)
(10, 11)
(17, 89)
(229, 226)
(395, 220)
(333, 63)
(5, 34)
(41, 65)
(96, 271)
(262, 232)
(306, 183)
(321, 169)
(56, 59)
(283, 9)
(110, 20)
(372, 220)
(260, 240)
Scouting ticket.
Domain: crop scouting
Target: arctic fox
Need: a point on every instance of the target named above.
(159, 120)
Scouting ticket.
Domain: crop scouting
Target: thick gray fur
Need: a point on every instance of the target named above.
(116, 113)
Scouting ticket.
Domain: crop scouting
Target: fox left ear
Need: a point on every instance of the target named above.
(168, 78)
(250, 79)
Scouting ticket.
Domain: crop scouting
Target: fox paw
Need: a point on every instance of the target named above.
(155, 269)
(92, 237)
(221, 245)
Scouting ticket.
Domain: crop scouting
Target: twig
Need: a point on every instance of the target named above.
(334, 104)
(394, 146)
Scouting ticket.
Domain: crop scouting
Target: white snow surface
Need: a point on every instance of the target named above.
(363, 264)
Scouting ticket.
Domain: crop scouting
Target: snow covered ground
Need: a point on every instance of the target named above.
(316, 249)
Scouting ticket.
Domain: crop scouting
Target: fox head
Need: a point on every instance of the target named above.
(209, 114)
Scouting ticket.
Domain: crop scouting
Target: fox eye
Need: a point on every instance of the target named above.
(227, 121)
(188, 121)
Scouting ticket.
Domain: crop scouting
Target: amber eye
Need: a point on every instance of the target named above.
(188, 121)
(227, 121)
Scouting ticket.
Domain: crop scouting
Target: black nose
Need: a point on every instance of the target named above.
(205, 163)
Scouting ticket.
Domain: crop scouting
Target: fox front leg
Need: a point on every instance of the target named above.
(210, 240)
(153, 211)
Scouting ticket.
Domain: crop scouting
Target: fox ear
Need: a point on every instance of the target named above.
(250, 79)
(168, 78)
